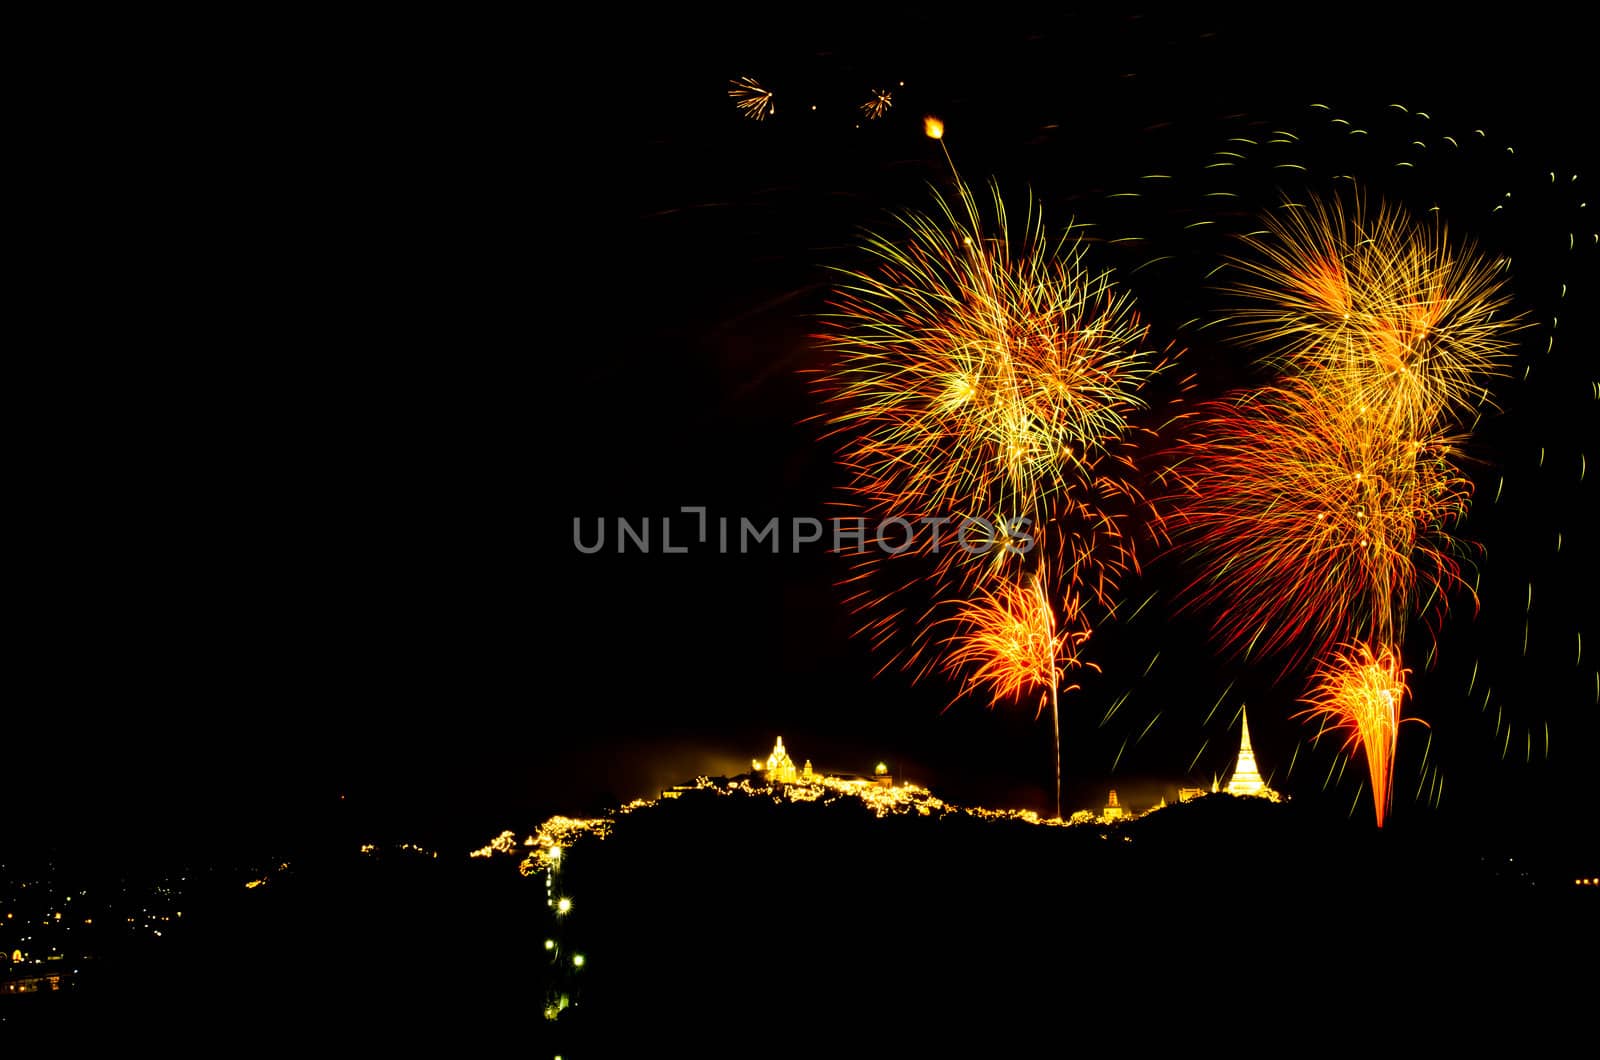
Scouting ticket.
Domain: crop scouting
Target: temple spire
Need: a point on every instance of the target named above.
(1246, 778)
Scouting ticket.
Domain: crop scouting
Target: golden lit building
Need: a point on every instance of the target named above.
(1246, 779)
(1113, 810)
(779, 766)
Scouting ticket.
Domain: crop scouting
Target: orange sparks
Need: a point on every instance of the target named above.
(1360, 693)
(1012, 642)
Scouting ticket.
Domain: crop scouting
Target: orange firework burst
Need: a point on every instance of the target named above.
(753, 101)
(1011, 641)
(1360, 693)
(1375, 305)
(877, 104)
(1314, 522)
(903, 597)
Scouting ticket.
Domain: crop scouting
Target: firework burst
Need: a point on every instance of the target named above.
(753, 101)
(1012, 641)
(1313, 522)
(1373, 305)
(1359, 693)
(980, 369)
(877, 104)
(1320, 510)
(982, 372)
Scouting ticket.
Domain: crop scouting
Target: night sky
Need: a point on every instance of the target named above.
(341, 346)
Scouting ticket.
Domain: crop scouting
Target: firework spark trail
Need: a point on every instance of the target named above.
(1360, 694)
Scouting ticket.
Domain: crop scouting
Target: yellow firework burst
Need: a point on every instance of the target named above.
(1373, 303)
(980, 369)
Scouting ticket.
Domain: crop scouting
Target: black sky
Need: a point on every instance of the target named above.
(341, 329)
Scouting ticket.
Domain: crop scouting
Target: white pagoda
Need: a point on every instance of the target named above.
(1246, 779)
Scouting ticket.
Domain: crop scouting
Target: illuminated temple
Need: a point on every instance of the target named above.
(779, 767)
(1246, 779)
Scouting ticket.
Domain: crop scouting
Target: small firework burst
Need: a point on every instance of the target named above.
(877, 104)
(753, 101)
(1359, 693)
(1011, 641)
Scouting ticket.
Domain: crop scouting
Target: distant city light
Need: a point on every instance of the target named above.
(564, 906)
(577, 960)
(549, 944)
